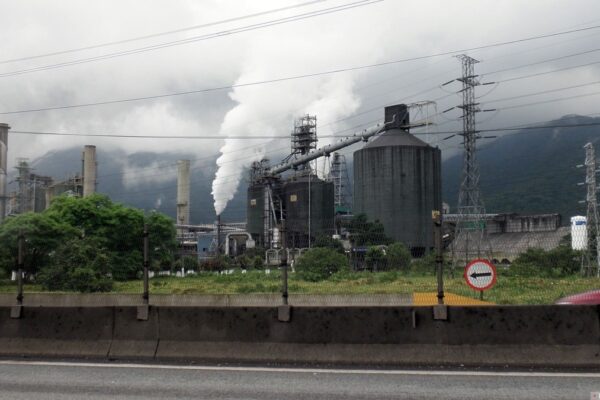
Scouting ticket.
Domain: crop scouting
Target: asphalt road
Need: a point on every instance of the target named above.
(49, 380)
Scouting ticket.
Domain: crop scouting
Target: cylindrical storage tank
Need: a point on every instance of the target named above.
(397, 180)
(3, 165)
(308, 210)
(579, 240)
(255, 216)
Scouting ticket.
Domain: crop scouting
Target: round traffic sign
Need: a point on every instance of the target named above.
(480, 274)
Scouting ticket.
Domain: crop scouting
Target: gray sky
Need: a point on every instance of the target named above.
(385, 31)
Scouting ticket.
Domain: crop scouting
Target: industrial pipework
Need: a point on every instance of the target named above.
(327, 150)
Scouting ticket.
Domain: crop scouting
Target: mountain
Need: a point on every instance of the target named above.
(530, 171)
(526, 171)
(147, 180)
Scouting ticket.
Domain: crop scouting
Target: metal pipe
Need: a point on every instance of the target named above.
(439, 256)
(284, 264)
(20, 264)
(146, 295)
(218, 234)
(323, 151)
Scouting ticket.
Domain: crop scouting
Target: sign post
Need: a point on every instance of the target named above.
(480, 275)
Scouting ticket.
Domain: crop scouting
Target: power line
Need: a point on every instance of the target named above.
(310, 75)
(543, 92)
(541, 62)
(153, 35)
(220, 34)
(209, 137)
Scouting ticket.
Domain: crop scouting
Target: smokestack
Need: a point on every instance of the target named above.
(89, 170)
(183, 192)
(218, 234)
(3, 161)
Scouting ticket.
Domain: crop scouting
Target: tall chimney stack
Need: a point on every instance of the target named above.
(89, 170)
(183, 192)
(3, 162)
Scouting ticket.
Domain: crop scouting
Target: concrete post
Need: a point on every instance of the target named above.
(3, 166)
(183, 192)
(89, 170)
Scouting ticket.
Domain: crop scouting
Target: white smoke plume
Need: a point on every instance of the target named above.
(269, 110)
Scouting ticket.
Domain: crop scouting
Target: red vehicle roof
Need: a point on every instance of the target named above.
(591, 297)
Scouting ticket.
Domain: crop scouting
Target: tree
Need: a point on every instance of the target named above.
(398, 256)
(320, 263)
(161, 238)
(112, 227)
(118, 229)
(367, 233)
(77, 265)
(43, 233)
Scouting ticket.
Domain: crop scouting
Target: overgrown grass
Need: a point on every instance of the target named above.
(508, 290)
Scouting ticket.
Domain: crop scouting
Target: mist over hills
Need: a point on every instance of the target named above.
(147, 180)
(530, 171)
(527, 171)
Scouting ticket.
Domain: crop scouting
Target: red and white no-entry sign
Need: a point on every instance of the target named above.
(480, 274)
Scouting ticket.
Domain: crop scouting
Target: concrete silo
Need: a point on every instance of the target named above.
(309, 209)
(397, 180)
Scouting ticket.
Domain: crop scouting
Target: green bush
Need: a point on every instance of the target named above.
(77, 265)
(558, 262)
(397, 256)
(328, 242)
(375, 258)
(188, 263)
(320, 263)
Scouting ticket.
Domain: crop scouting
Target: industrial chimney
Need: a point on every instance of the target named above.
(183, 192)
(3, 161)
(89, 170)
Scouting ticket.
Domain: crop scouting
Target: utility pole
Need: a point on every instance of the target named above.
(470, 239)
(591, 259)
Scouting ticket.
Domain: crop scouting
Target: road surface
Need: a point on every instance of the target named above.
(33, 380)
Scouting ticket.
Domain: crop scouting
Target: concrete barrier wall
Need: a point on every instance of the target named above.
(205, 300)
(562, 336)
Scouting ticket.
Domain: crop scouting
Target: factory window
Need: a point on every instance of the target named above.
(293, 198)
(252, 202)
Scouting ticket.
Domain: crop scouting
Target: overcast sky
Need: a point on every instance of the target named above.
(372, 33)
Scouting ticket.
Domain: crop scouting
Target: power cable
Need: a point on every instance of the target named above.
(310, 75)
(153, 35)
(220, 34)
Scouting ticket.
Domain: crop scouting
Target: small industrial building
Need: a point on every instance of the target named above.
(512, 234)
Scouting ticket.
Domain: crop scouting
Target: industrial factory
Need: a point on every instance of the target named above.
(396, 181)
(35, 192)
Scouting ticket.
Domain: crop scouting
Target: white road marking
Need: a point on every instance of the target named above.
(594, 375)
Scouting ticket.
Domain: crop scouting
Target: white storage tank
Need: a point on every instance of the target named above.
(579, 232)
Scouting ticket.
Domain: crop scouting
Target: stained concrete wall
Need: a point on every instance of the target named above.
(562, 336)
(89, 170)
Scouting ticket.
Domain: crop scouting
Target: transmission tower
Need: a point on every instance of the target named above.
(591, 259)
(470, 239)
